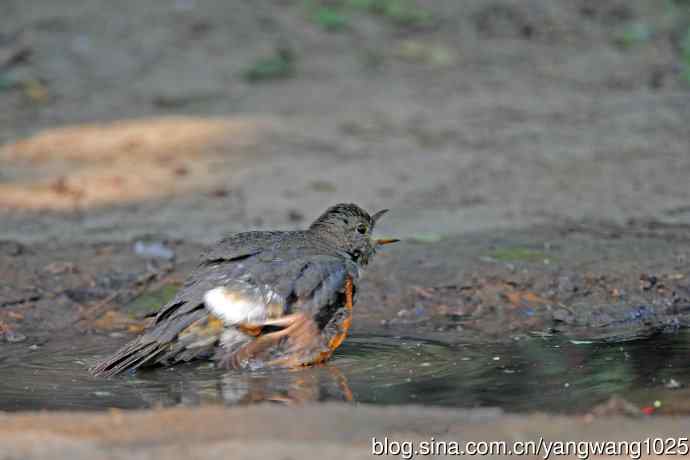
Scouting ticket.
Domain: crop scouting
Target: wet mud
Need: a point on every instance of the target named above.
(547, 319)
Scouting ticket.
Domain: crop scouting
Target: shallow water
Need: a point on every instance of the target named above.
(526, 375)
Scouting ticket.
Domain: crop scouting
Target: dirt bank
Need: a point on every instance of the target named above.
(326, 430)
(484, 116)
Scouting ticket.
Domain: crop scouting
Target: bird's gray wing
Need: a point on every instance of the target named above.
(226, 260)
(320, 288)
(271, 289)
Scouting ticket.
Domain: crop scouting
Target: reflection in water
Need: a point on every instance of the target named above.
(527, 375)
(326, 383)
(323, 383)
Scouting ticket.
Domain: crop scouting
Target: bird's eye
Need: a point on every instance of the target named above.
(362, 228)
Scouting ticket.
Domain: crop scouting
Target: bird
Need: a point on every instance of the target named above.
(262, 299)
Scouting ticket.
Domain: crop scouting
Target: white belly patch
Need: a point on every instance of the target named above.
(242, 303)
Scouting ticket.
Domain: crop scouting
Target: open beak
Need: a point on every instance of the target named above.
(378, 215)
(382, 241)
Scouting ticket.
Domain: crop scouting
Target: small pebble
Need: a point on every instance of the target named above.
(153, 250)
(295, 216)
(219, 193)
(184, 5)
(672, 384)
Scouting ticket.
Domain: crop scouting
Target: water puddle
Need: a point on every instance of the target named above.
(527, 375)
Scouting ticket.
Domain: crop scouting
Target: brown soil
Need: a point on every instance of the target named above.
(495, 115)
(332, 431)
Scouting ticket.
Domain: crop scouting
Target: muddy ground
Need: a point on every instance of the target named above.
(332, 431)
(534, 156)
(585, 282)
(490, 115)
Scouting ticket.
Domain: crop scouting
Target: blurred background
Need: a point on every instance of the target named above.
(535, 156)
(195, 118)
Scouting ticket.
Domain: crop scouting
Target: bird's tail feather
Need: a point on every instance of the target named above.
(132, 356)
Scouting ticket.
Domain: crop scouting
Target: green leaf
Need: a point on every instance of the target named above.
(150, 302)
(406, 13)
(635, 34)
(279, 66)
(518, 254)
(427, 237)
(360, 4)
(330, 19)
(7, 82)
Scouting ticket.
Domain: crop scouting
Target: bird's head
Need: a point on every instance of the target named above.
(350, 229)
